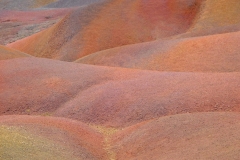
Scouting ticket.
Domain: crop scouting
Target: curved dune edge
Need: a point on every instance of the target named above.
(110, 96)
(213, 53)
(80, 35)
(217, 13)
(110, 24)
(196, 135)
(8, 53)
(178, 137)
(48, 138)
(215, 17)
(153, 79)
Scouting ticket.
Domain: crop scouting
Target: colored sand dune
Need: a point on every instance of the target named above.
(110, 24)
(7, 53)
(111, 96)
(120, 79)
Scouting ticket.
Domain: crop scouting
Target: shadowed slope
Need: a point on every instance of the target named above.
(189, 136)
(7, 53)
(216, 16)
(48, 138)
(110, 24)
(184, 103)
(110, 96)
(216, 53)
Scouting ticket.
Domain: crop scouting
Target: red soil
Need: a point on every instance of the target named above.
(118, 23)
(7, 53)
(215, 53)
(110, 24)
(83, 142)
(187, 51)
(111, 96)
(180, 137)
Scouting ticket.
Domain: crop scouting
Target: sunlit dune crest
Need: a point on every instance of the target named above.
(120, 79)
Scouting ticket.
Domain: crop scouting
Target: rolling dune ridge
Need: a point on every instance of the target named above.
(120, 79)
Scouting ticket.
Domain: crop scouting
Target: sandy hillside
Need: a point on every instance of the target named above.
(120, 79)
(7, 53)
(119, 23)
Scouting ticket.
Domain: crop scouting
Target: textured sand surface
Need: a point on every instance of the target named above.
(7, 53)
(110, 24)
(120, 79)
(111, 96)
(48, 138)
(218, 13)
(212, 53)
(188, 136)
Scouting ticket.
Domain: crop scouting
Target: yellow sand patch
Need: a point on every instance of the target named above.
(218, 13)
(39, 3)
(17, 143)
(107, 132)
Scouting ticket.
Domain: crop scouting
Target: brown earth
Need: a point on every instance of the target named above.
(161, 79)
(111, 96)
(110, 24)
(189, 136)
(8, 53)
(215, 16)
(48, 138)
(184, 136)
(213, 53)
(143, 23)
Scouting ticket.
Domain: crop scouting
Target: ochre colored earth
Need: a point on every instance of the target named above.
(212, 53)
(108, 96)
(8, 53)
(120, 79)
(179, 137)
(110, 24)
(45, 137)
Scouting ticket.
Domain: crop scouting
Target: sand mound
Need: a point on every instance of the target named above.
(185, 136)
(216, 16)
(7, 53)
(218, 13)
(116, 23)
(154, 79)
(189, 136)
(110, 24)
(48, 138)
(110, 96)
(215, 53)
